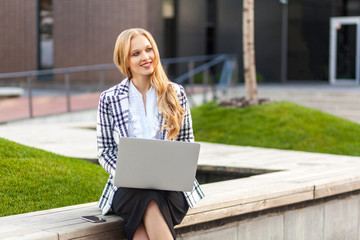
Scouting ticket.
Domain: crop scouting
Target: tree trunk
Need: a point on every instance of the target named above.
(249, 51)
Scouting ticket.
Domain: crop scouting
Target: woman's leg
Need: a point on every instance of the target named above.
(140, 233)
(155, 224)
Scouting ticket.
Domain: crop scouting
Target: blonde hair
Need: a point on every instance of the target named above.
(168, 102)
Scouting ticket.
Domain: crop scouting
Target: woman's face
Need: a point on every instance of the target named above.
(141, 57)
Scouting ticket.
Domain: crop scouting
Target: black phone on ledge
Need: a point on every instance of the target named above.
(93, 219)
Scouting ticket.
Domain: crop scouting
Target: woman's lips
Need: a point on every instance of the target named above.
(146, 64)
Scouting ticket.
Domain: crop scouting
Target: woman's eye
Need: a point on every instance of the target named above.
(148, 49)
(135, 53)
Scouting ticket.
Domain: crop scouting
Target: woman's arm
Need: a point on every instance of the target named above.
(186, 131)
(107, 147)
(186, 134)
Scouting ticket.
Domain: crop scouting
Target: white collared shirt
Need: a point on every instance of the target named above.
(143, 122)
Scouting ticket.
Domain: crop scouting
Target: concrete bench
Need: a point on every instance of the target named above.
(60, 223)
(224, 201)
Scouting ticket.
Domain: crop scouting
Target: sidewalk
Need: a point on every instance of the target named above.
(18, 108)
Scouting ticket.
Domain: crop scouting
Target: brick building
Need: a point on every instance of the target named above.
(83, 32)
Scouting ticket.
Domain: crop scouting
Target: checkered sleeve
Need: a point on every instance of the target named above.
(195, 195)
(186, 134)
(186, 131)
(107, 147)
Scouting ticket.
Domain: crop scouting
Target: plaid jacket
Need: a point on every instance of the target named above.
(112, 123)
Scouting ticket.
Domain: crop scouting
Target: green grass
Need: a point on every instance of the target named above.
(281, 125)
(32, 179)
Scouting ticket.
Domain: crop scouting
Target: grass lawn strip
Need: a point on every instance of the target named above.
(281, 125)
(33, 179)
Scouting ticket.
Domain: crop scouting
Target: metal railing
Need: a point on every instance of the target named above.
(229, 70)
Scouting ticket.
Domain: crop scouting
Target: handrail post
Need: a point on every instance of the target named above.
(191, 79)
(29, 83)
(67, 90)
(190, 68)
(236, 73)
(101, 79)
(165, 67)
(213, 84)
(205, 83)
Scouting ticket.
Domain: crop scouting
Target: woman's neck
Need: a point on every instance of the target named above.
(142, 84)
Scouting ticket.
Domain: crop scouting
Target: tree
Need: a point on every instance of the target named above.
(249, 52)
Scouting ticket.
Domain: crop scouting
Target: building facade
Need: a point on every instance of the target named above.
(291, 39)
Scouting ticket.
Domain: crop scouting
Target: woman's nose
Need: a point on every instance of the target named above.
(145, 56)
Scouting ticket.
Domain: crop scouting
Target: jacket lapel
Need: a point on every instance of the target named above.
(120, 108)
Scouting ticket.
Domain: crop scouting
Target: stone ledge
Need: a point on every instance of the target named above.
(60, 223)
(223, 200)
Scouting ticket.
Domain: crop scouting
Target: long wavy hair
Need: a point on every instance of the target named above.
(167, 102)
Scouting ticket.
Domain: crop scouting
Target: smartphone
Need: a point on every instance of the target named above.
(93, 219)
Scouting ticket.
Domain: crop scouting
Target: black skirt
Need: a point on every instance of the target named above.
(130, 204)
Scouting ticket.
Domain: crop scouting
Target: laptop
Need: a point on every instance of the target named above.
(156, 164)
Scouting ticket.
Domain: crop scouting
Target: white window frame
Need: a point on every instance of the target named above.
(334, 22)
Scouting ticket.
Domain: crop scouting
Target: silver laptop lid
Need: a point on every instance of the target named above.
(156, 164)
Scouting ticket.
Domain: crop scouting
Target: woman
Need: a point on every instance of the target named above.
(145, 105)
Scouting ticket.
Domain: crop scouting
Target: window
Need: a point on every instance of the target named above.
(46, 42)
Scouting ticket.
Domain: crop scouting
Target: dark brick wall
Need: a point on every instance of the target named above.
(18, 35)
(85, 32)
